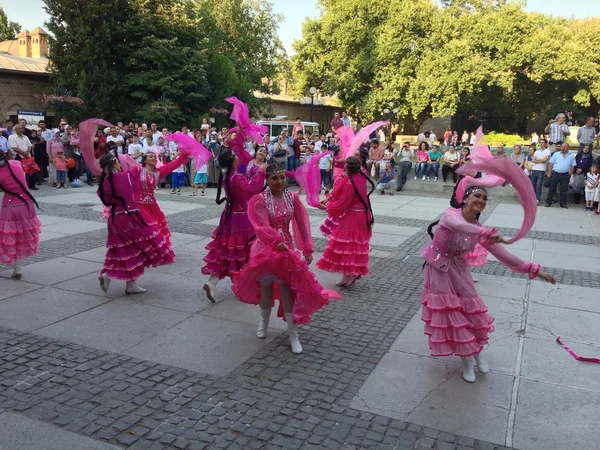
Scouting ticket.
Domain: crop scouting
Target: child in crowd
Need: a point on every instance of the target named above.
(177, 178)
(61, 169)
(325, 165)
(386, 179)
(200, 181)
(135, 149)
(592, 180)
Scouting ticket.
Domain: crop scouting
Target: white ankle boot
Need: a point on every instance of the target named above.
(482, 364)
(293, 331)
(209, 287)
(265, 315)
(468, 369)
(17, 269)
(132, 288)
(104, 282)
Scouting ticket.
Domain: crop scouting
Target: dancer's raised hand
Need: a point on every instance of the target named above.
(497, 239)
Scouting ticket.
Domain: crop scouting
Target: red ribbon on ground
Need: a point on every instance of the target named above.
(575, 355)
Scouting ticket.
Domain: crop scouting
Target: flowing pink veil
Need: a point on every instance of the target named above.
(191, 146)
(308, 177)
(245, 128)
(351, 142)
(506, 169)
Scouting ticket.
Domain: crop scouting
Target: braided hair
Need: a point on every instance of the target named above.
(107, 163)
(353, 166)
(226, 160)
(363, 154)
(3, 163)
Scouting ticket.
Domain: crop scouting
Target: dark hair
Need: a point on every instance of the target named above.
(353, 167)
(426, 145)
(226, 159)
(4, 162)
(375, 141)
(107, 162)
(364, 157)
(273, 167)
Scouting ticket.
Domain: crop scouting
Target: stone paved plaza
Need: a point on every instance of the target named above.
(80, 369)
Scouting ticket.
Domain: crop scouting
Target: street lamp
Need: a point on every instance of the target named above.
(312, 100)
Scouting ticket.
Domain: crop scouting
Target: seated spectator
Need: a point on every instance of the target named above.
(433, 163)
(386, 180)
(421, 162)
(451, 161)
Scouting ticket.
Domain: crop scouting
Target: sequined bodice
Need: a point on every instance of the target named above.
(448, 247)
(146, 184)
(281, 212)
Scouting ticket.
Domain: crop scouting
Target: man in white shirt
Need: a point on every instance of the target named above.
(116, 138)
(19, 144)
(540, 162)
(155, 133)
(320, 143)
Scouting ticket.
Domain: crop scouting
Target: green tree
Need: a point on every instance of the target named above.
(8, 29)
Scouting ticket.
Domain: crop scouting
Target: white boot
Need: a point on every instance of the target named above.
(104, 282)
(482, 364)
(293, 331)
(468, 369)
(132, 288)
(265, 315)
(17, 269)
(209, 287)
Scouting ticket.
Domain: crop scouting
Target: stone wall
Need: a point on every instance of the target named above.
(21, 91)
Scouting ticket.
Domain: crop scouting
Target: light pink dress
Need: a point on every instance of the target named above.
(271, 219)
(19, 224)
(456, 318)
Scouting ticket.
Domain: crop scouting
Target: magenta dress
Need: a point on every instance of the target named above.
(229, 251)
(144, 183)
(19, 225)
(132, 244)
(347, 250)
(456, 318)
(271, 219)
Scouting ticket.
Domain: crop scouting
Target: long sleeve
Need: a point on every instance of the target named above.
(511, 261)
(248, 187)
(301, 227)
(339, 205)
(169, 167)
(452, 219)
(259, 218)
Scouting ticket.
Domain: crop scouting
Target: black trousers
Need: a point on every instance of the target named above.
(560, 181)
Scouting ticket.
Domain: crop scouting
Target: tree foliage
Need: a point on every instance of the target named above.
(8, 29)
(473, 57)
(155, 60)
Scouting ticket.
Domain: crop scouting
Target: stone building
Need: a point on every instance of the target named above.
(24, 76)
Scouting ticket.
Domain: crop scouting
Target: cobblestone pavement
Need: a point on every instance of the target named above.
(274, 400)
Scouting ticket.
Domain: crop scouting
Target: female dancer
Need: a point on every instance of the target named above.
(19, 225)
(455, 317)
(259, 160)
(132, 244)
(347, 251)
(274, 261)
(145, 179)
(229, 249)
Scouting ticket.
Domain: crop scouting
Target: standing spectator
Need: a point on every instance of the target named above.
(155, 133)
(61, 169)
(559, 171)
(538, 172)
(204, 126)
(117, 139)
(135, 149)
(421, 138)
(464, 140)
(177, 176)
(298, 126)
(447, 136)
(404, 159)
(535, 139)
(281, 148)
(586, 134)
(295, 152)
(325, 166)
(557, 131)
(473, 139)
(19, 144)
(584, 160)
(592, 180)
(99, 144)
(336, 122)
(518, 156)
(322, 140)
(40, 155)
(44, 132)
(432, 138)
(345, 119)
(4, 144)
(454, 140)
(52, 147)
(9, 129)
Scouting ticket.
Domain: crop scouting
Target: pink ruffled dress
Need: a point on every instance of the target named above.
(132, 244)
(347, 251)
(331, 223)
(456, 318)
(19, 225)
(271, 219)
(478, 257)
(229, 249)
(144, 186)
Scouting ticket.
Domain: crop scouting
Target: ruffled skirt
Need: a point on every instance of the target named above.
(19, 231)
(154, 216)
(132, 245)
(229, 251)
(328, 225)
(477, 257)
(347, 251)
(289, 267)
(456, 319)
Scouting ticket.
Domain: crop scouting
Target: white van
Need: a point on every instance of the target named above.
(275, 126)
